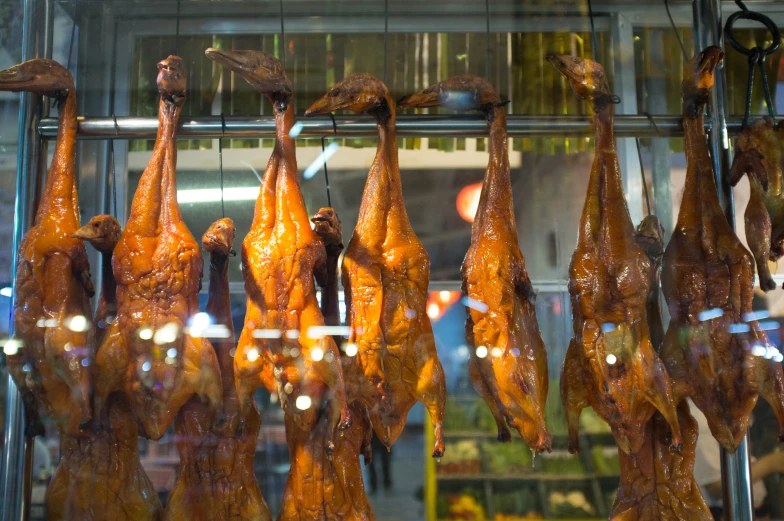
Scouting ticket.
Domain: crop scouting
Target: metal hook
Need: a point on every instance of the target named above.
(220, 162)
(326, 171)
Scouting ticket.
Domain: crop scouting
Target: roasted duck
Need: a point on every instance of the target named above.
(658, 484)
(386, 272)
(280, 256)
(53, 288)
(512, 375)
(708, 279)
(759, 154)
(216, 480)
(610, 363)
(157, 265)
(99, 476)
(103, 232)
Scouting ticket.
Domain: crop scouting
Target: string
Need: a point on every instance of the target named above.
(114, 172)
(177, 33)
(642, 174)
(323, 147)
(487, 32)
(386, 35)
(220, 162)
(594, 40)
(73, 34)
(675, 30)
(282, 37)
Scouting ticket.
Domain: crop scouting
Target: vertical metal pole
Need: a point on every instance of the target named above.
(17, 454)
(735, 468)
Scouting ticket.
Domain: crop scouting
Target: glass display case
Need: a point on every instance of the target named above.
(226, 141)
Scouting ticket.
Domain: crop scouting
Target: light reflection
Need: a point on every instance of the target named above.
(296, 129)
(481, 351)
(769, 325)
(211, 331)
(167, 334)
(462, 351)
(433, 311)
(317, 354)
(608, 327)
(611, 359)
(322, 158)
(739, 328)
(303, 402)
(322, 331)
(68, 347)
(77, 324)
(145, 333)
(444, 296)
(253, 355)
(146, 366)
(85, 362)
(756, 315)
(515, 352)
(350, 349)
(7, 291)
(475, 304)
(266, 333)
(496, 351)
(292, 334)
(12, 346)
(171, 352)
(710, 314)
(758, 350)
(294, 353)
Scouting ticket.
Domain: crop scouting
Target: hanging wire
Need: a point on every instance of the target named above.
(282, 37)
(675, 30)
(177, 32)
(756, 55)
(642, 174)
(594, 40)
(114, 171)
(73, 34)
(487, 32)
(323, 148)
(220, 162)
(386, 36)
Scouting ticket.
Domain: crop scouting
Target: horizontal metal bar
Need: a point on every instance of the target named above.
(457, 125)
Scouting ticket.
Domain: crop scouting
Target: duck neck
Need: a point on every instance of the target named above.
(219, 297)
(284, 120)
(496, 196)
(603, 123)
(108, 283)
(699, 167)
(329, 293)
(60, 200)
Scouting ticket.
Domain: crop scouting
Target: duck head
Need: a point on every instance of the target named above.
(172, 80)
(39, 76)
(462, 92)
(103, 232)
(262, 70)
(359, 92)
(587, 77)
(699, 71)
(219, 237)
(328, 227)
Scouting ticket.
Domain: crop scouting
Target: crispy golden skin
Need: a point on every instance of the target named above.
(386, 273)
(658, 484)
(707, 270)
(514, 383)
(51, 367)
(99, 476)
(157, 265)
(216, 480)
(759, 154)
(103, 233)
(610, 364)
(280, 256)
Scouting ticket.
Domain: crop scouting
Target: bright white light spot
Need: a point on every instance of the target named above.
(171, 352)
(322, 331)
(68, 347)
(146, 366)
(145, 333)
(167, 334)
(444, 296)
(169, 360)
(317, 354)
(351, 349)
(758, 350)
(608, 328)
(295, 130)
(756, 315)
(210, 195)
(322, 158)
(778, 357)
(41, 323)
(433, 310)
(292, 334)
(7, 291)
(274, 398)
(51, 322)
(769, 325)
(200, 320)
(475, 304)
(481, 351)
(770, 352)
(253, 355)
(739, 328)
(11, 346)
(266, 333)
(78, 323)
(611, 359)
(710, 314)
(462, 351)
(303, 402)
(496, 351)
(211, 331)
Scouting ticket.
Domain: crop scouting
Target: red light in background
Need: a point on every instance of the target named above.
(468, 201)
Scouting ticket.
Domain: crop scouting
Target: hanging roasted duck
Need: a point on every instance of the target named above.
(103, 233)
(708, 279)
(216, 480)
(610, 363)
(650, 238)
(323, 485)
(511, 376)
(759, 154)
(280, 256)
(386, 273)
(147, 354)
(50, 358)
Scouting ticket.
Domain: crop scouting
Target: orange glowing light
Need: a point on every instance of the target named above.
(433, 311)
(445, 296)
(468, 201)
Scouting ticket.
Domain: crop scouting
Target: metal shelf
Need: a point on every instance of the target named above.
(534, 476)
(454, 125)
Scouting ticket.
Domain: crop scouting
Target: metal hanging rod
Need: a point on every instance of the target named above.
(457, 125)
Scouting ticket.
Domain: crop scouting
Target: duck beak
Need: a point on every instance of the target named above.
(230, 59)
(322, 106)
(15, 79)
(422, 99)
(85, 233)
(560, 62)
(710, 58)
(320, 217)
